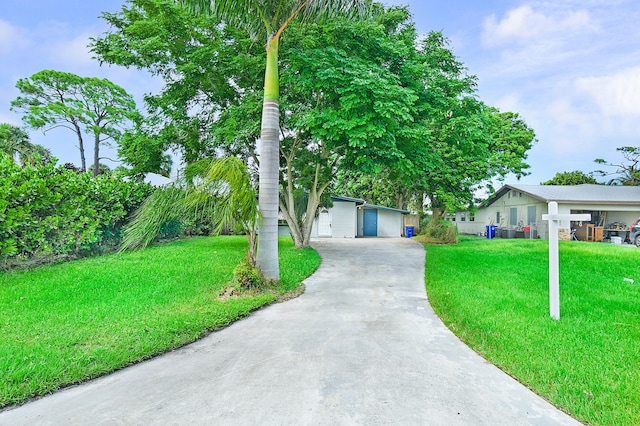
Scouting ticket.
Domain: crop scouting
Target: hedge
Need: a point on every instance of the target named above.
(48, 210)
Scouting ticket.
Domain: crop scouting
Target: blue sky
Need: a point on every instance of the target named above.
(570, 68)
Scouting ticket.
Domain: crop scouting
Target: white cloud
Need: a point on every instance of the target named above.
(11, 38)
(72, 53)
(615, 95)
(523, 24)
(508, 102)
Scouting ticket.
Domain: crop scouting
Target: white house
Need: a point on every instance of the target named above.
(353, 217)
(515, 207)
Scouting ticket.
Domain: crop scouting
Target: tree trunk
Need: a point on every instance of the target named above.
(400, 201)
(96, 155)
(83, 162)
(269, 168)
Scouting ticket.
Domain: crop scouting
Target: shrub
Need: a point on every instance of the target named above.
(440, 232)
(48, 210)
(248, 277)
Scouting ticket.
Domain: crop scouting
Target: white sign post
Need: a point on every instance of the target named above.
(554, 276)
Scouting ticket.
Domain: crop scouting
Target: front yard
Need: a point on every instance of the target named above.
(494, 295)
(62, 324)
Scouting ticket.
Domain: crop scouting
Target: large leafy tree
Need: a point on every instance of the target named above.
(456, 143)
(268, 19)
(98, 107)
(364, 100)
(206, 68)
(469, 142)
(327, 119)
(345, 108)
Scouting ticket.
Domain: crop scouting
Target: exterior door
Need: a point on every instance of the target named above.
(324, 224)
(370, 223)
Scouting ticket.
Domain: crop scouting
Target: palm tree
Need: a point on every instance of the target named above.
(271, 18)
(15, 143)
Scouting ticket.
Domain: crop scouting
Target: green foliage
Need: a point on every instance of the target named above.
(90, 105)
(575, 177)
(370, 98)
(217, 192)
(48, 210)
(66, 323)
(247, 276)
(438, 231)
(144, 154)
(494, 294)
(216, 65)
(15, 143)
(383, 188)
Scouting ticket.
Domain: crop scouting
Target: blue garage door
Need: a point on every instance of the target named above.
(370, 223)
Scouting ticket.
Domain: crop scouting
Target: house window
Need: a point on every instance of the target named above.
(513, 216)
(463, 217)
(531, 215)
(472, 217)
(498, 218)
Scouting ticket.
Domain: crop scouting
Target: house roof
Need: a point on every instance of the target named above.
(364, 205)
(575, 194)
(340, 198)
(374, 207)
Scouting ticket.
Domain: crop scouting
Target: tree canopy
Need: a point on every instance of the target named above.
(366, 101)
(52, 99)
(575, 177)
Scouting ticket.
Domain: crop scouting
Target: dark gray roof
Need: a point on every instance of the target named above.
(576, 194)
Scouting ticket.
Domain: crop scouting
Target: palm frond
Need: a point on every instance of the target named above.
(262, 17)
(164, 205)
(228, 182)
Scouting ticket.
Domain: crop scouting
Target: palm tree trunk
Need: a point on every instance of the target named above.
(269, 167)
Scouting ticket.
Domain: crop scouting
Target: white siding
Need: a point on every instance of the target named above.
(514, 199)
(389, 223)
(344, 219)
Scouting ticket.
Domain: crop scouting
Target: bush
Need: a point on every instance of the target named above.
(438, 231)
(47, 211)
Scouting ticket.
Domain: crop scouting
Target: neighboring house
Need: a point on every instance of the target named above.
(514, 207)
(353, 217)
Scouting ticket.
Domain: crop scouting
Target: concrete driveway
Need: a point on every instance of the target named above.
(361, 346)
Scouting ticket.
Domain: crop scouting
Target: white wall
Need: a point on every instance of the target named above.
(389, 223)
(343, 219)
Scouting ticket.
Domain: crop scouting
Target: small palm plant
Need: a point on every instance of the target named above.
(219, 191)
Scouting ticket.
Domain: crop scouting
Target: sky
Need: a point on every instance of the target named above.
(570, 68)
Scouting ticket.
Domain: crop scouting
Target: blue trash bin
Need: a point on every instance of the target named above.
(491, 231)
(408, 231)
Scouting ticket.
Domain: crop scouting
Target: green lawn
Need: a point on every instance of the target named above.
(62, 324)
(494, 294)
